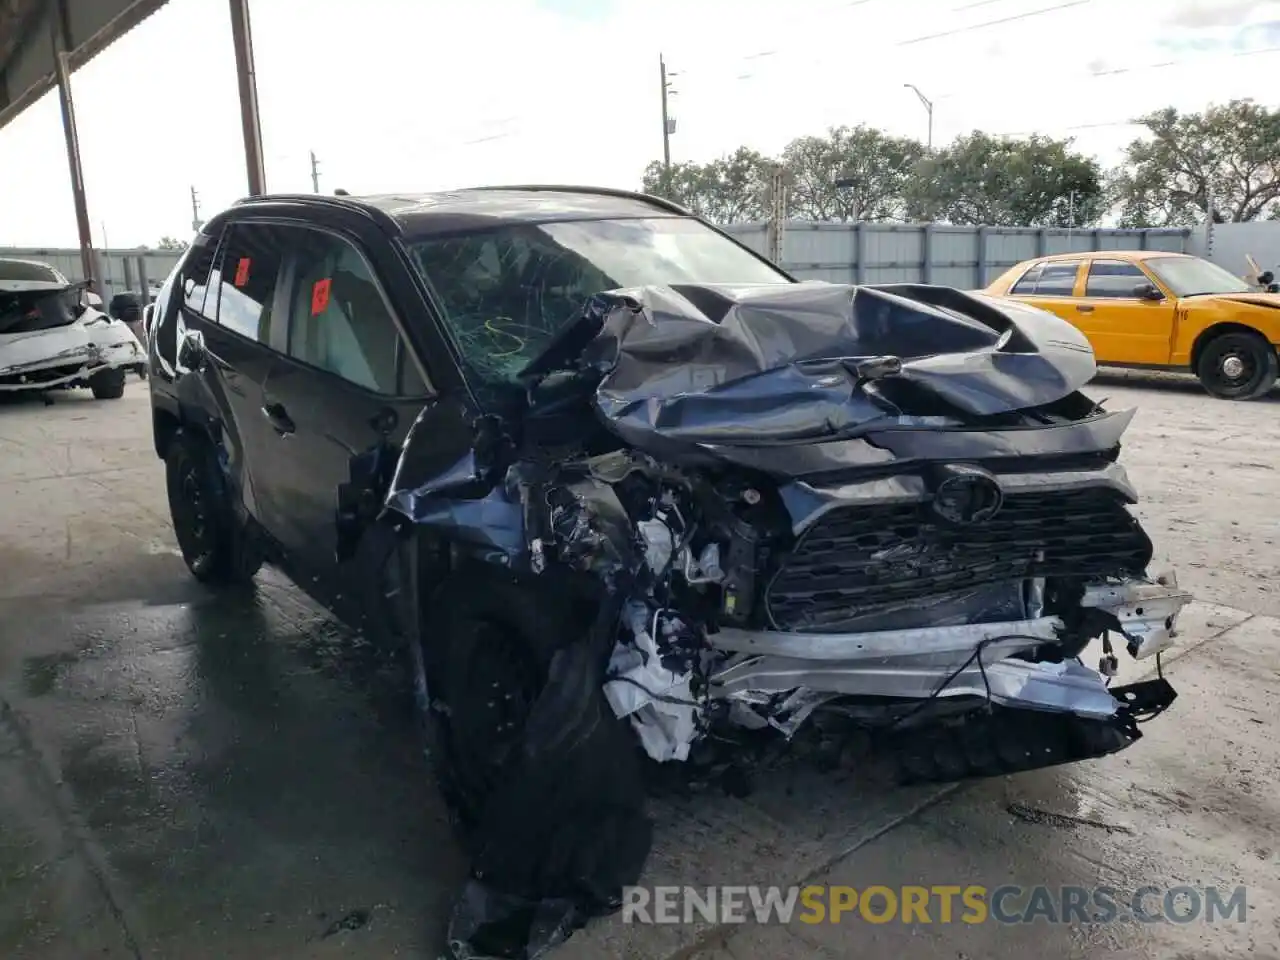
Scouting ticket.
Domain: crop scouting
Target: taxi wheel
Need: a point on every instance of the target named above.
(1238, 366)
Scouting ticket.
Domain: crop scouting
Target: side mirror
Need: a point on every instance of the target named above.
(191, 351)
(1266, 279)
(1147, 291)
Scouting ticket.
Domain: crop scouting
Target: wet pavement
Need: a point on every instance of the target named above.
(189, 775)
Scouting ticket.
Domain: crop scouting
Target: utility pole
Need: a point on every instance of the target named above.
(196, 222)
(777, 212)
(928, 106)
(668, 121)
(315, 173)
(247, 79)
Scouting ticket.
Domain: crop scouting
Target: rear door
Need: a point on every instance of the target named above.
(344, 385)
(1051, 285)
(1123, 327)
(226, 295)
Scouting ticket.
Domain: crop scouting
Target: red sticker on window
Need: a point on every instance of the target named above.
(320, 296)
(242, 272)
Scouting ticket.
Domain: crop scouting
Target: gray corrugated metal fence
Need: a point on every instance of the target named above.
(1232, 242)
(120, 270)
(965, 257)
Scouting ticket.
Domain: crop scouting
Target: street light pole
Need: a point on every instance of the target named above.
(928, 106)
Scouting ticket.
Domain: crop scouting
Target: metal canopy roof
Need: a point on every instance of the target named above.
(27, 30)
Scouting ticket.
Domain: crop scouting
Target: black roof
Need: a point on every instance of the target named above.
(424, 214)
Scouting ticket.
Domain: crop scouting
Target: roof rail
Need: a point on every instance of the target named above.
(648, 198)
(347, 203)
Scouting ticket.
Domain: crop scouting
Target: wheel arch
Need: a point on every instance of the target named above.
(1216, 330)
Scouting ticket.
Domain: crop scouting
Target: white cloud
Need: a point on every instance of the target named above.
(429, 94)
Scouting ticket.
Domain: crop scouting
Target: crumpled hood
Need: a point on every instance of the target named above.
(770, 365)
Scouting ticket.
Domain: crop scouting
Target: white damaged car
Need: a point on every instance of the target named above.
(54, 334)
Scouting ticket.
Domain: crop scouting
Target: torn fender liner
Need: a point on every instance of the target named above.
(558, 844)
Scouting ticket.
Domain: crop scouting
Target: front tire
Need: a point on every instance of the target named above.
(488, 645)
(108, 384)
(214, 544)
(1238, 366)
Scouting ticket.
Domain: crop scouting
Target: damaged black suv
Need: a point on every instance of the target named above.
(626, 493)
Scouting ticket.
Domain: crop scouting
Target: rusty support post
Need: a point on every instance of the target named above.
(248, 82)
(88, 262)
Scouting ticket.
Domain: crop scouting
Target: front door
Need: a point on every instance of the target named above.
(1123, 327)
(343, 390)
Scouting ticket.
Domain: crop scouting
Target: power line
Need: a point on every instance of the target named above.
(806, 49)
(1195, 61)
(992, 23)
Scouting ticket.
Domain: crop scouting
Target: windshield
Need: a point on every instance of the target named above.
(507, 292)
(1191, 276)
(26, 312)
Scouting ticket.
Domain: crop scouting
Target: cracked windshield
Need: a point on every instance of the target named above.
(506, 292)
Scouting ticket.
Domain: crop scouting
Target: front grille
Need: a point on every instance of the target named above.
(856, 561)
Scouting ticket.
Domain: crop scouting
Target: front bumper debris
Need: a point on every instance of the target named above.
(1145, 613)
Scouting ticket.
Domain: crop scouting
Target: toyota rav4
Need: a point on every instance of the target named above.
(627, 494)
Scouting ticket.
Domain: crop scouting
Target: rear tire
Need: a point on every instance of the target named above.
(1238, 366)
(108, 384)
(214, 543)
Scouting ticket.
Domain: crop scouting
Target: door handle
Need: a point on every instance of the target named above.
(1084, 308)
(279, 418)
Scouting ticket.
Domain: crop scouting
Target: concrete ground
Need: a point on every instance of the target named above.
(184, 776)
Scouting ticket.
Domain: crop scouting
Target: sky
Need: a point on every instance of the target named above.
(421, 95)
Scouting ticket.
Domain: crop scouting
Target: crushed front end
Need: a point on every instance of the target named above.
(889, 506)
(803, 509)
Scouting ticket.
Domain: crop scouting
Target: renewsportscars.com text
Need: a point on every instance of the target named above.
(939, 903)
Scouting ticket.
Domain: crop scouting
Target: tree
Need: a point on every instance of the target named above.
(737, 186)
(1230, 153)
(727, 190)
(682, 183)
(171, 243)
(873, 166)
(1001, 181)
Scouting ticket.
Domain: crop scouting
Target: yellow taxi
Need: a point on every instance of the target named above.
(1146, 308)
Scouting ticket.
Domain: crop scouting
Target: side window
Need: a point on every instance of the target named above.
(1057, 278)
(193, 278)
(1113, 278)
(244, 282)
(1028, 282)
(339, 320)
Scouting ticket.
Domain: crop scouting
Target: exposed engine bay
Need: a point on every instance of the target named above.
(884, 507)
(892, 503)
